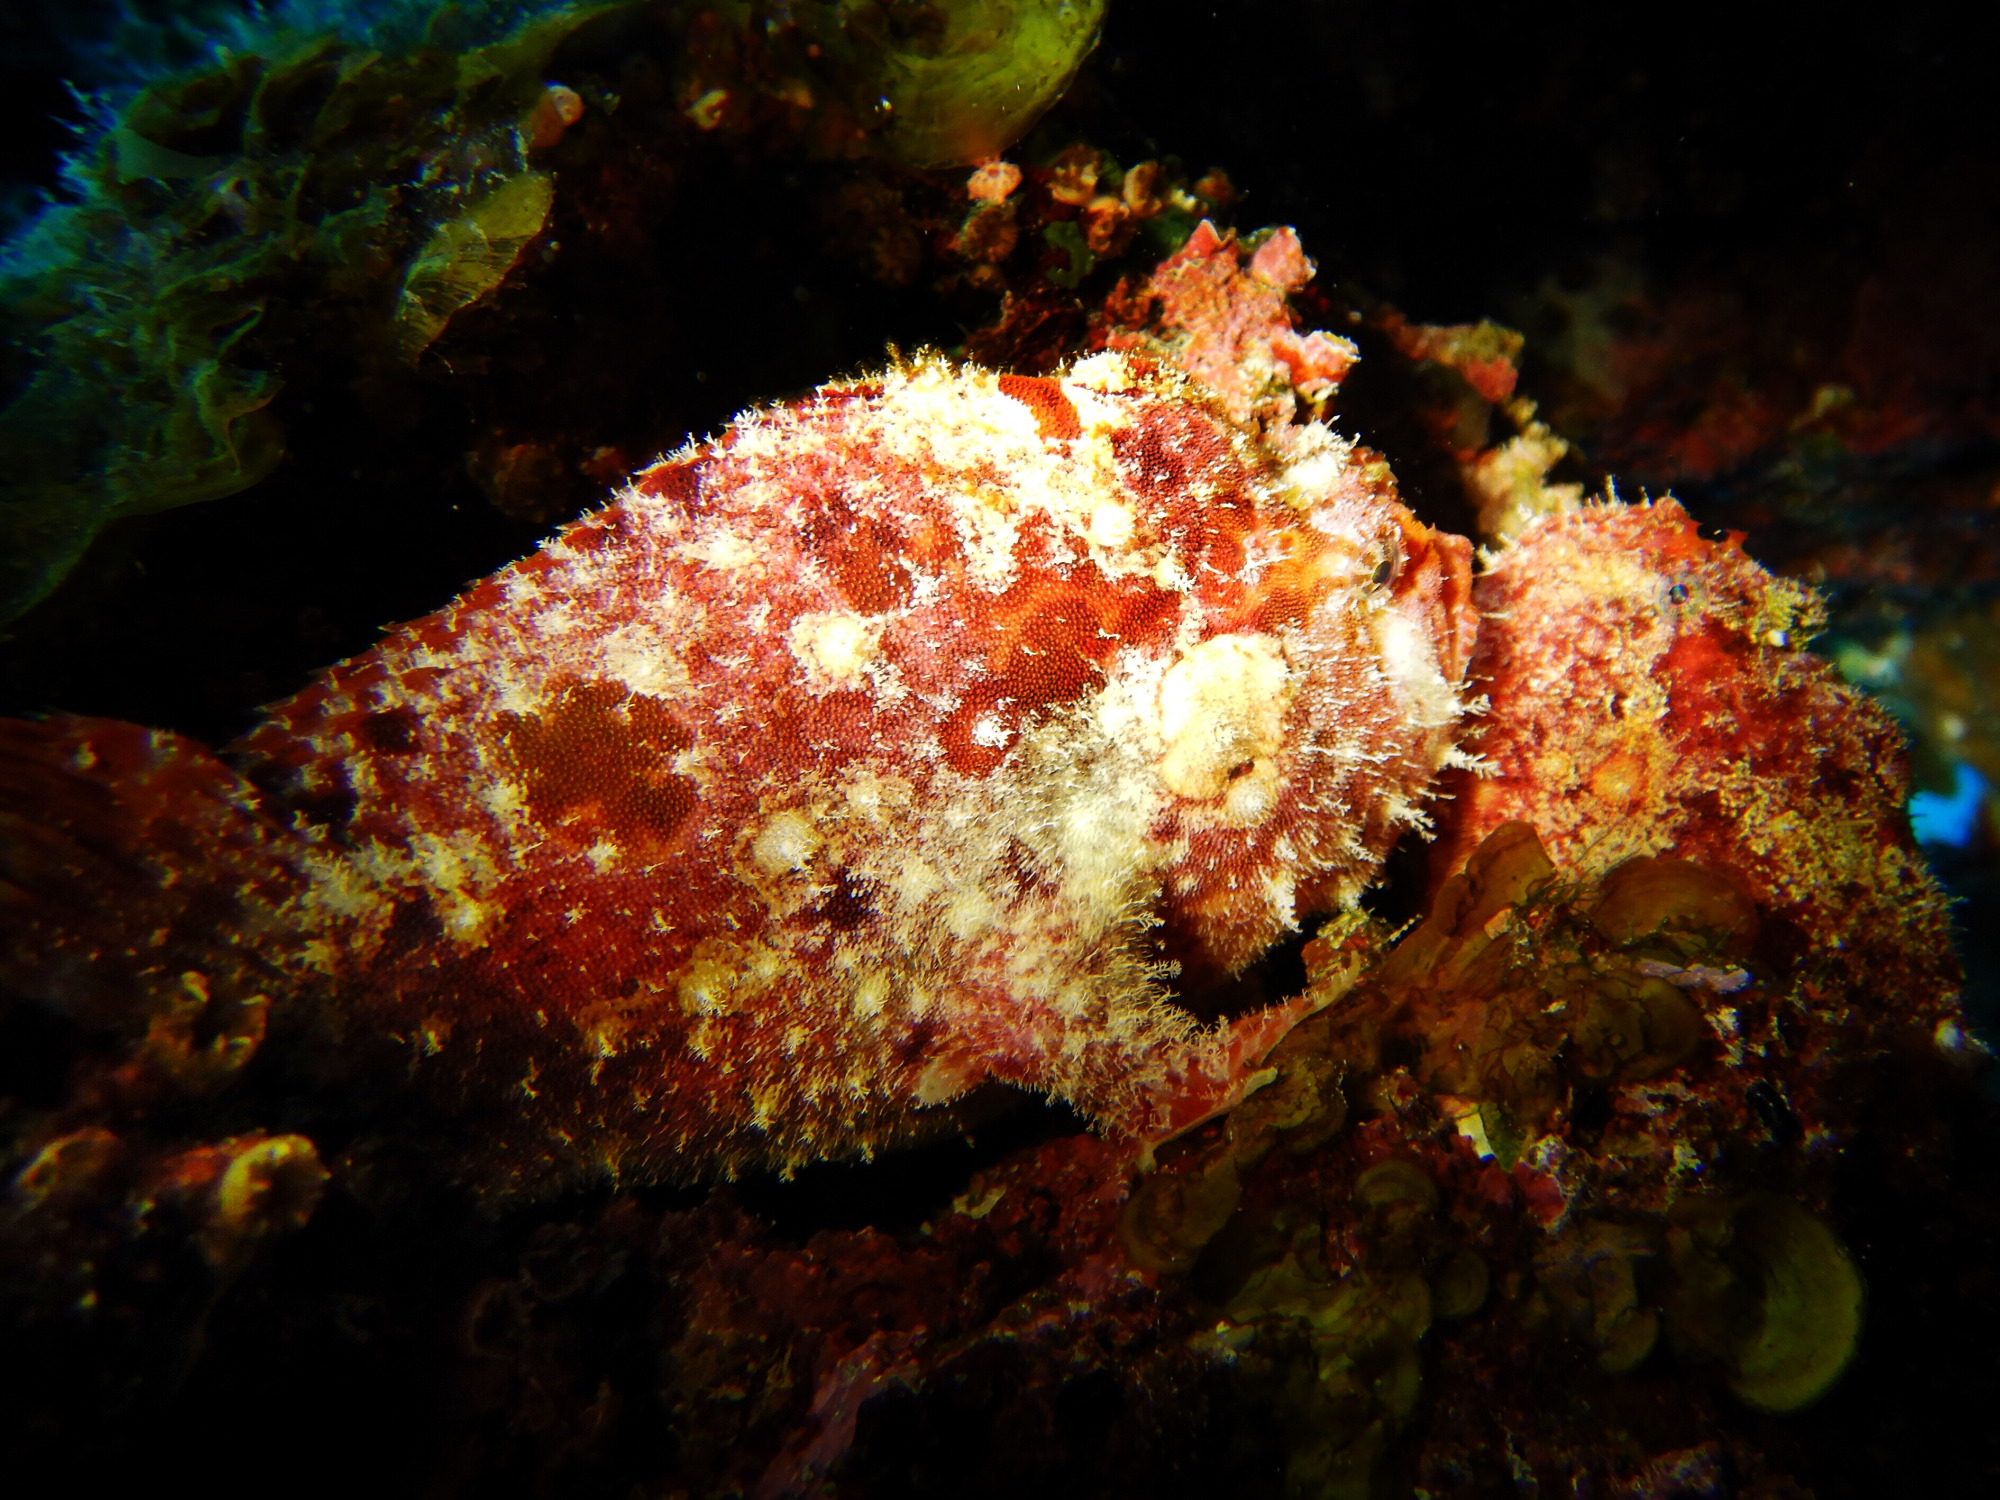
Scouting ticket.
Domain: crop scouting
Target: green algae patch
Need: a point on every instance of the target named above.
(926, 83)
(301, 192)
(1340, 1352)
(157, 402)
(469, 256)
(972, 81)
(1650, 902)
(1768, 1290)
(1066, 237)
(1522, 1000)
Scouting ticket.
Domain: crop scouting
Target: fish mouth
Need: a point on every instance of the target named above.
(1210, 992)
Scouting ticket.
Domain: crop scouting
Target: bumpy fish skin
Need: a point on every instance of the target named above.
(1676, 711)
(905, 738)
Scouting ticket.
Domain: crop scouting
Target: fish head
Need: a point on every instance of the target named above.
(1303, 733)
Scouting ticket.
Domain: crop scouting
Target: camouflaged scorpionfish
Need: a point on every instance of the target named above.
(940, 728)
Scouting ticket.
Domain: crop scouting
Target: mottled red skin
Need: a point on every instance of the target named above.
(1675, 711)
(536, 845)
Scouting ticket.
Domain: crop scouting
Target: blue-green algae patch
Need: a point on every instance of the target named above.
(312, 182)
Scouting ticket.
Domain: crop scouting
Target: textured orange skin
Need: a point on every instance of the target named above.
(558, 892)
(1650, 694)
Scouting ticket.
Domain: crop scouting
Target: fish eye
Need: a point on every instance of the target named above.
(1678, 594)
(1385, 570)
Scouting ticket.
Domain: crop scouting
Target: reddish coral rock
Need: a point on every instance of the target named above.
(1227, 325)
(1486, 355)
(1671, 709)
